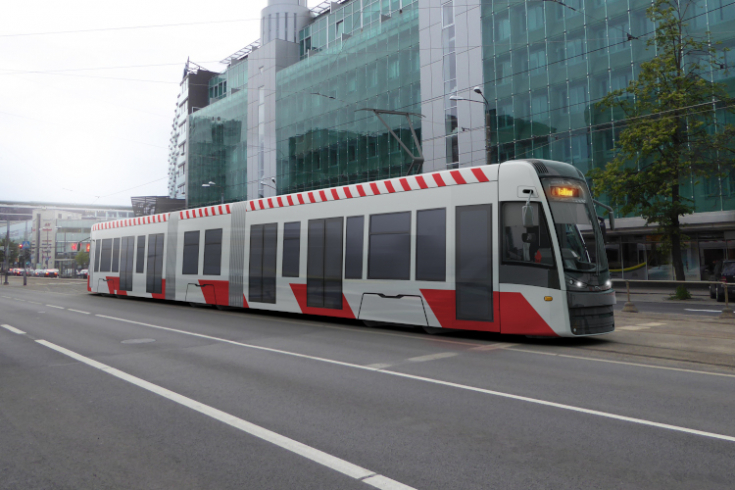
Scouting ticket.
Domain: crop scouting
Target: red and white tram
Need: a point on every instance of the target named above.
(497, 248)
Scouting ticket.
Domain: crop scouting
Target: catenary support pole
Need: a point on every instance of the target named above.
(726, 311)
(629, 307)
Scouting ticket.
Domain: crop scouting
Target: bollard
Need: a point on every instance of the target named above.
(726, 311)
(630, 307)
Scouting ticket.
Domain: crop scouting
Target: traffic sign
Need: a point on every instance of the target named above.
(26, 245)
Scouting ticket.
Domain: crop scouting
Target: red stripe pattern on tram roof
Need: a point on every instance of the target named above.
(444, 178)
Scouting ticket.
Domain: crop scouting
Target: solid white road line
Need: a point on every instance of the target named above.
(79, 311)
(632, 327)
(57, 307)
(308, 452)
(13, 329)
(705, 311)
(536, 401)
(651, 366)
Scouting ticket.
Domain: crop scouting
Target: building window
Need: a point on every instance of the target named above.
(535, 17)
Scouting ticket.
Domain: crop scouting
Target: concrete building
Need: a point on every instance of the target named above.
(54, 230)
(287, 115)
(193, 95)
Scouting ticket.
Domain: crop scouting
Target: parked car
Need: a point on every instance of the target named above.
(728, 276)
(717, 276)
(39, 272)
(51, 273)
(83, 273)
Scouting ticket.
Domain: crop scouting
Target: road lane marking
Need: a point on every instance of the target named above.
(432, 357)
(13, 329)
(705, 311)
(494, 347)
(633, 327)
(35, 302)
(79, 311)
(337, 464)
(379, 365)
(57, 307)
(651, 324)
(626, 363)
(500, 394)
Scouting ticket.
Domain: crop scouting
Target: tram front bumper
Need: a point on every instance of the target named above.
(591, 313)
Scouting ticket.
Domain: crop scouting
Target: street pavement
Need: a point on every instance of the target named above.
(102, 392)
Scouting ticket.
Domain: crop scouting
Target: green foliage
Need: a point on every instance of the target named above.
(82, 259)
(682, 293)
(13, 252)
(670, 130)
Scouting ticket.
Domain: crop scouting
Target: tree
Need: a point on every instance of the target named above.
(673, 130)
(82, 259)
(12, 249)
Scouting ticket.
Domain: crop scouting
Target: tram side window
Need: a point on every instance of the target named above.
(154, 275)
(431, 245)
(291, 249)
(389, 253)
(212, 252)
(126, 263)
(353, 247)
(116, 255)
(106, 258)
(191, 253)
(526, 246)
(140, 260)
(262, 275)
(97, 255)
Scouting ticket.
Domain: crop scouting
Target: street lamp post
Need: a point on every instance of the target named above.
(484, 101)
(222, 190)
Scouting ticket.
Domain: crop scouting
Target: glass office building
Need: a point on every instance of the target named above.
(285, 116)
(323, 138)
(546, 65)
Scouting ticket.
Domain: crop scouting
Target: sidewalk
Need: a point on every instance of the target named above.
(674, 337)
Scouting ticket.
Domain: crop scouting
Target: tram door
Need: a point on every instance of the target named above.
(324, 264)
(474, 276)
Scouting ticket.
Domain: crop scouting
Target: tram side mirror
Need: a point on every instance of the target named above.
(603, 229)
(527, 212)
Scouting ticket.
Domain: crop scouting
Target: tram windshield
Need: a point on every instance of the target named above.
(573, 213)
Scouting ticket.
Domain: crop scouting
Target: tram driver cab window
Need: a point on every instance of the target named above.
(522, 245)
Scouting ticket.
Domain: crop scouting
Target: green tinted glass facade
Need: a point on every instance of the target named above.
(545, 66)
(218, 144)
(321, 140)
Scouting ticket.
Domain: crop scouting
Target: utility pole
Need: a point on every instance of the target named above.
(478, 90)
(7, 250)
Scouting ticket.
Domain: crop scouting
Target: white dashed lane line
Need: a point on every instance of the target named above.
(13, 329)
(79, 311)
(57, 307)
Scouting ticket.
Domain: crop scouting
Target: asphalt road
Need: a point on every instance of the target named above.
(98, 392)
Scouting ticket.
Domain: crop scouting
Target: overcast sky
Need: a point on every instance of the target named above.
(89, 114)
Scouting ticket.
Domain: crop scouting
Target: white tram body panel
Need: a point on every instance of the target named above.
(283, 254)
